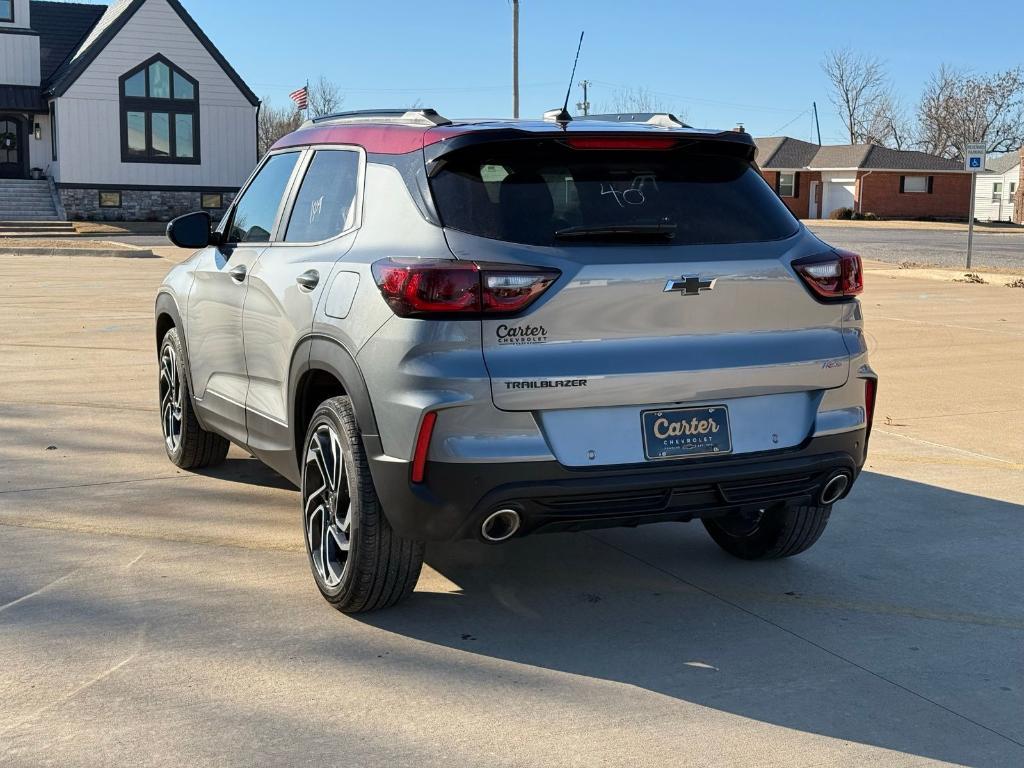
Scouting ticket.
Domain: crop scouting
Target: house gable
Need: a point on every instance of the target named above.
(113, 22)
(98, 118)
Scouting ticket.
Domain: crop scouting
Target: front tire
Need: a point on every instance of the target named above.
(188, 445)
(776, 532)
(359, 563)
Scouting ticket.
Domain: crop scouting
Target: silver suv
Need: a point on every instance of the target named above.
(486, 329)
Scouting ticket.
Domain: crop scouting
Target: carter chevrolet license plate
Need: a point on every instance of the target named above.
(684, 432)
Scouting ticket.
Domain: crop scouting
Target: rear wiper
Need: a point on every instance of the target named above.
(663, 231)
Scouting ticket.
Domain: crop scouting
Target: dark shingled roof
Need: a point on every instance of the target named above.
(22, 98)
(1002, 163)
(61, 27)
(785, 153)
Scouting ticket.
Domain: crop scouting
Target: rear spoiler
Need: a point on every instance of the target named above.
(444, 140)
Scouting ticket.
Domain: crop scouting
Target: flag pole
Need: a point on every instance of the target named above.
(307, 98)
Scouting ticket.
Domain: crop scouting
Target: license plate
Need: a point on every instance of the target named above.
(684, 432)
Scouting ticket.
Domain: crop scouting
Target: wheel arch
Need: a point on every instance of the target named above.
(167, 317)
(330, 370)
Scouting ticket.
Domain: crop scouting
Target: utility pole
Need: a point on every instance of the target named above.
(515, 59)
(817, 125)
(584, 106)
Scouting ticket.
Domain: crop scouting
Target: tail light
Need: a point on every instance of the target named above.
(419, 456)
(870, 392)
(420, 288)
(836, 275)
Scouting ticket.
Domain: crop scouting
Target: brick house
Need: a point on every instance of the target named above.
(815, 180)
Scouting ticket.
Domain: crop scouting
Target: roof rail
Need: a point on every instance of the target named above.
(416, 116)
(663, 119)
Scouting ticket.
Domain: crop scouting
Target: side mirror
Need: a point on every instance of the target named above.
(191, 230)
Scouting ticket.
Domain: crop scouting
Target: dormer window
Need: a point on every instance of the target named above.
(159, 114)
(7, 10)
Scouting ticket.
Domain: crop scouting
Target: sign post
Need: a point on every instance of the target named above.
(974, 163)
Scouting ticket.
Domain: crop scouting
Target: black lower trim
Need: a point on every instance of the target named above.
(455, 498)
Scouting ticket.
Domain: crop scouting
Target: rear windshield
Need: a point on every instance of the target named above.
(545, 193)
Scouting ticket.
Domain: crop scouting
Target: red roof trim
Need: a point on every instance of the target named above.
(375, 139)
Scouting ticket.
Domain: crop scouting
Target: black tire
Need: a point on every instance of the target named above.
(194, 447)
(380, 568)
(782, 531)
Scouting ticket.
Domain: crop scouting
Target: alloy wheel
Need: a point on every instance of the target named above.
(327, 505)
(171, 393)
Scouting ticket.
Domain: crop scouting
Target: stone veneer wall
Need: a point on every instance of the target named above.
(136, 205)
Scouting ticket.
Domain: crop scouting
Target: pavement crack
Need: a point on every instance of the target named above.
(802, 638)
(94, 485)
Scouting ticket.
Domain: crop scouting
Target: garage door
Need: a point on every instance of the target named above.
(838, 194)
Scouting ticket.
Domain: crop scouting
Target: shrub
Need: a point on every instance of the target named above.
(841, 213)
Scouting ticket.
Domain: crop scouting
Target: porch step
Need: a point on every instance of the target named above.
(25, 200)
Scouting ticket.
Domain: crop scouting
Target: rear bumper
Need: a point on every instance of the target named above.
(456, 497)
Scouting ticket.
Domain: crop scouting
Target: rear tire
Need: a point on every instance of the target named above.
(359, 563)
(781, 531)
(188, 445)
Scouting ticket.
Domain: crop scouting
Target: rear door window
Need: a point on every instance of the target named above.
(327, 201)
(546, 193)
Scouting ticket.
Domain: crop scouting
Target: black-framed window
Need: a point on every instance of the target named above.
(53, 130)
(110, 199)
(159, 114)
(7, 10)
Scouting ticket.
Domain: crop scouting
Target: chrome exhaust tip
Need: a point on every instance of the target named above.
(834, 488)
(500, 526)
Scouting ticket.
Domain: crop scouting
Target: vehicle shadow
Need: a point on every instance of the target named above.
(246, 471)
(864, 638)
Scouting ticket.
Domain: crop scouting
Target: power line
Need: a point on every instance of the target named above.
(698, 99)
(784, 127)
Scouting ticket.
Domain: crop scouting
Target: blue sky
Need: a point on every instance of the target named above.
(719, 62)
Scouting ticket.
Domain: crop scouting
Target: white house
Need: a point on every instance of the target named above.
(994, 194)
(129, 110)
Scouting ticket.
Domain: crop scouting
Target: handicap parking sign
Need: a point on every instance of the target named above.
(975, 162)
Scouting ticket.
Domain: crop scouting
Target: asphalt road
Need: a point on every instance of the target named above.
(151, 617)
(940, 248)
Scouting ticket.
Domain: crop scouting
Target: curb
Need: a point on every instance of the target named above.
(101, 253)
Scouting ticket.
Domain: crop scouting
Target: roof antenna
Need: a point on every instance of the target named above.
(563, 117)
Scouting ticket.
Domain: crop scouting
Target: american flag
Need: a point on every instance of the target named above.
(300, 97)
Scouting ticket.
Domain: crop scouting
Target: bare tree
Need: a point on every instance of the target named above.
(888, 124)
(324, 98)
(959, 107)
(630, 100)
(274, 123)
(859, 92)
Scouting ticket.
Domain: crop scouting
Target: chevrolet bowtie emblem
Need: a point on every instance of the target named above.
(689, 285)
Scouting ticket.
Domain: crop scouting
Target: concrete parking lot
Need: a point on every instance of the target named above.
(152, 617)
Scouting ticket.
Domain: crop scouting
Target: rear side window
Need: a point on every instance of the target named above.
(254, 216)
(326, 203)
(546, 193)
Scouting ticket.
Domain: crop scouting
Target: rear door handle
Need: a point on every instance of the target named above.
(308, 280)
(238, 273)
